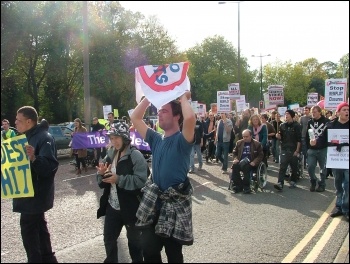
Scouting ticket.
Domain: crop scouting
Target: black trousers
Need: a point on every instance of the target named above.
(36, 238)
(236, 176)
(153, 244)
(288, 158)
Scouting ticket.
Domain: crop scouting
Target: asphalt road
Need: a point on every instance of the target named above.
(289, 226)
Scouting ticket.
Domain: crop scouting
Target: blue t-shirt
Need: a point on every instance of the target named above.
(170, 158)
(246, 151)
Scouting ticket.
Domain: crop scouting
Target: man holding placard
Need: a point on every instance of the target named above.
(336, 135)
(42, 153)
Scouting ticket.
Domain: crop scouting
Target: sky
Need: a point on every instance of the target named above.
(288, 31)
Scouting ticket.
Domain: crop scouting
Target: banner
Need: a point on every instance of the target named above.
(194, 105)
(234, 90)
(335, 92)
(100, 139)
(276, 94)
(336, 159)
(202, 109)
(106, 109)
(312, 99)
(223, 102)
(161, 83)
(241, 104)
(16, 176)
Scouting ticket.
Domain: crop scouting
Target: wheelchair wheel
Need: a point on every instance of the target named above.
(262, 175)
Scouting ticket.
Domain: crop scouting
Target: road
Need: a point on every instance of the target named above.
(289, 226)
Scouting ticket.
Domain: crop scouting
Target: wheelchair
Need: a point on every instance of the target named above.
(258, 178)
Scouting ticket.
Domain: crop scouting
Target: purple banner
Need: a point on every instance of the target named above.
(100, 139)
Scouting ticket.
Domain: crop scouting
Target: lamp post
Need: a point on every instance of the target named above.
(261, 56)
(239, 49)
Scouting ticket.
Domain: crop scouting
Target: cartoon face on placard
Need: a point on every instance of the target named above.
(163, 78)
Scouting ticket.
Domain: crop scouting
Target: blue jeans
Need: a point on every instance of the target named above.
(314, 156)
(196, 148)
(341, 184)
(222, 153)
(304, 149)
(113, 226)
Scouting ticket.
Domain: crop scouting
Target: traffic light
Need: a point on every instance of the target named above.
(261, 105)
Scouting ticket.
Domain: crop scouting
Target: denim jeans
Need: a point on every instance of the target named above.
(314, 156)
(276, 149)
(196, 148)
(222, 153)
(36, 238)
(341, 184)
(304, 149)
(112, 228)
(288, 158)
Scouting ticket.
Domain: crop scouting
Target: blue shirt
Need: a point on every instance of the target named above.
(246, 151)
(170, 158)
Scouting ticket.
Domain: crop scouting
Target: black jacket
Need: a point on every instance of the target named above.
(43, 171)
(290, 135)
(129, 200)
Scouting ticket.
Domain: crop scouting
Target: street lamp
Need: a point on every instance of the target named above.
(261, 56)
(239, 49)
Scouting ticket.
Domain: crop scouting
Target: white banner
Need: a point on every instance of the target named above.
(282, 110)
(202, 109)
(334, 93)
(194, 105)
(336, 159)
(234, 90)
(161, 83)
(312, 99)
(241, 104)
(223, 102)
(276, 94)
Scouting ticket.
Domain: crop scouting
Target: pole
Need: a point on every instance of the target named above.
(239, 51)
(261, 94)
(87, 115)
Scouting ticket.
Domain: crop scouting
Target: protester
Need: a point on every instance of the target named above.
(222, 138)
(165, 212)
(198, 132)
(7, 132)
(80, 154)
(122, 174)
(43, 166)
(290, 137)
(341, 176)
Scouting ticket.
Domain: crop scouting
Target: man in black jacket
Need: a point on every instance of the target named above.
(316, 153)
(42, 153)
(290, 136)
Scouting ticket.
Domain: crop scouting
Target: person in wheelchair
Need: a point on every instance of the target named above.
(247, 155)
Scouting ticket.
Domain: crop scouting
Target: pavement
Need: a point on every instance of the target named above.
(343, 254)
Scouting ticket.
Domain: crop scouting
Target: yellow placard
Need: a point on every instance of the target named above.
(16, 176)
(116, 113)
(102, 121)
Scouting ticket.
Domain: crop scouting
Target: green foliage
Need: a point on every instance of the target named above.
(42, 47)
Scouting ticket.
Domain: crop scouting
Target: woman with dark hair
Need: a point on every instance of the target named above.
(80, 154)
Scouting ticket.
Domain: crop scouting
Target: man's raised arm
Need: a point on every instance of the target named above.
(137, 117)
(189, 117)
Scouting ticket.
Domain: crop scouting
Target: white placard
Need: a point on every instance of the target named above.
(106, 109)
(336, 159)
(282, 110)
(194, 105)
(276, 94)
(334, 93)
(234, 90)
(130, 112)
(312, 99)
(202, 109)
(223, 102)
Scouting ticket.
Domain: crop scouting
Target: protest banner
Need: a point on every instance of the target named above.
(312, 99)
(223, 101)
(276, 94)
(338, 159)
(161, 84)
(100, 139)
(106, 109)
(234, 91)
(335, 92)
(202, 109)
(16, 176)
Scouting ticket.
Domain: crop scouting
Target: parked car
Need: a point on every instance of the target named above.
(62, 136)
